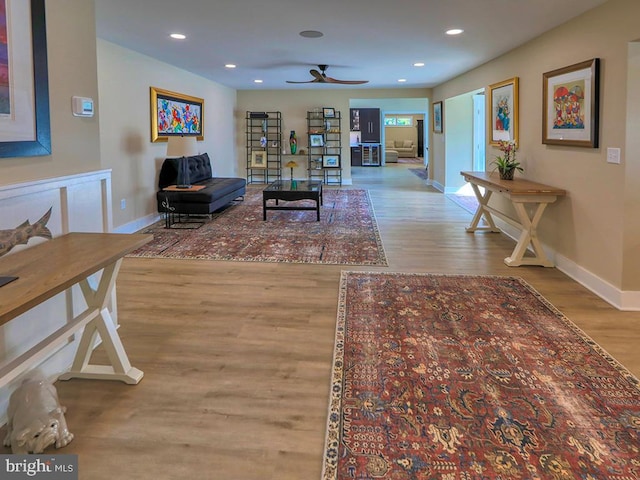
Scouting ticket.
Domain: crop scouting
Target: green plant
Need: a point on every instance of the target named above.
(506, 163)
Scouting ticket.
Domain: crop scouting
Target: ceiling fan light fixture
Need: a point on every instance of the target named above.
(321, 77)
(178, 36)
(402, 80)
(229, 65)
(257, 80)
(454, 31)
(418, 64)
(311, 34)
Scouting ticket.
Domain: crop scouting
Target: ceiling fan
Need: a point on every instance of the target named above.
(321, 77)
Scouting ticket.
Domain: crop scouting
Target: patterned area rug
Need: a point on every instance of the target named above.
(472, 377)
(347, 234)
(468, 202)
(410, 160)
(420, 172)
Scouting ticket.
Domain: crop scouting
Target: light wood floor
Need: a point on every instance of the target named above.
(237, 355)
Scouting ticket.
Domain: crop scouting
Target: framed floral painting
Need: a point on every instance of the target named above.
(571, 102)
(437, 117)
(503, 112)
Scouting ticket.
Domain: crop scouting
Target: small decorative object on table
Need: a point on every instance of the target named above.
(507, 163)
(292, 164)
(293, 142)
(35, 418)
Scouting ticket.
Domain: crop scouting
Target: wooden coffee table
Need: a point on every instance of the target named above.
(285, 191)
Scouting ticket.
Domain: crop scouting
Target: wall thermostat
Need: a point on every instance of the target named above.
(82, 106)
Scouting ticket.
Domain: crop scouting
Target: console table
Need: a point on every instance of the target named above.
(520, 192)
(50, 268)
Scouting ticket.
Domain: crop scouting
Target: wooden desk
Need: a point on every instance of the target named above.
(50, 268)
(520, 192)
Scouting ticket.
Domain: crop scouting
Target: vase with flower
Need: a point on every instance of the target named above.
(506, 164)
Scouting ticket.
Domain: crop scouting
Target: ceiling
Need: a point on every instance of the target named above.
(371, 40)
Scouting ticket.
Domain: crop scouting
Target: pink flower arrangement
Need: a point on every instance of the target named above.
(506, 163)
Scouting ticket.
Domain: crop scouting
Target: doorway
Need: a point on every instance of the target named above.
(479, 132)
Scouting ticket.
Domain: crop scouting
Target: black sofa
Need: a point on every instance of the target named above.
(218, 191)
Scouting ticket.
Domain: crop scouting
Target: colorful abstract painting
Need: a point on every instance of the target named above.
(571, 97)
(5, 98)
(568, 101)
(503, 101)
(178, 117)
(175, 113)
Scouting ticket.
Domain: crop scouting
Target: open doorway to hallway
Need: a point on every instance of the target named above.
(411, 113)
(404, 138)
(479, 132)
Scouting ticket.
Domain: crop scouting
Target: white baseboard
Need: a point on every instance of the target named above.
(622, 300)
(436, 185)
(137, 225)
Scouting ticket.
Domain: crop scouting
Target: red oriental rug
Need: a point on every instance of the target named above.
(472, 377)
(346, 234)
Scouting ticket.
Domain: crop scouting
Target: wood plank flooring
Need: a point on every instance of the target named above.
(237, 355)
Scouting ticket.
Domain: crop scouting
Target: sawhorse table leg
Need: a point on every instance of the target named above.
(97, 300)
(482, 211)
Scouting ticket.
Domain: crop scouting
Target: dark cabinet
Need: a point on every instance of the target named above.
(367, 122)
(356, 156)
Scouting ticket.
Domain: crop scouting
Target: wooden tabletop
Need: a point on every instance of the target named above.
(517, 186)
(49, 268)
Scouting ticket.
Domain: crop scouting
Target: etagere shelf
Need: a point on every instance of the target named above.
(325, 147)
(264, 147)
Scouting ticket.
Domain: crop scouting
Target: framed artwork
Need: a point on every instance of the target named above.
(331, 161)
(571, 103)
(258, 159)
(328, 112)
(174, 113)
(503, 112)
(316, 140)
(25, 125)
(437, 117)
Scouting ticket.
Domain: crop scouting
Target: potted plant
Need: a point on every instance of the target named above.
(506, 164)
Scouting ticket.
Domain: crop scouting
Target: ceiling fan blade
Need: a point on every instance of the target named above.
(345, 82)
(319, 77)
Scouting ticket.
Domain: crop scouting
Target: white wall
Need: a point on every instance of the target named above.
(125, 78)
(71, 51)
(589, 228)
(294, 105)
(78, 203)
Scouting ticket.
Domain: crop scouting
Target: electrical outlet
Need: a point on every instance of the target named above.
(123, 204)
(613, 155)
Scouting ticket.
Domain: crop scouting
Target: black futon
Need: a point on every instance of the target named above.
(217, 191)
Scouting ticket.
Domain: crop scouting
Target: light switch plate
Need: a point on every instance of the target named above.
(613, 155)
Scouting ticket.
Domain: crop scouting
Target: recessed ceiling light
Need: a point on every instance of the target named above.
(229, 65)
(402, 80)
(311, 34)
(454, 31)
(178, 36)
(257, 80)
(418, 64)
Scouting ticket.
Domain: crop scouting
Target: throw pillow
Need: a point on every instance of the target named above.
(408, 144)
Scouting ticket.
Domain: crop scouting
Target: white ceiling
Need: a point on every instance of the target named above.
(371, 40)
